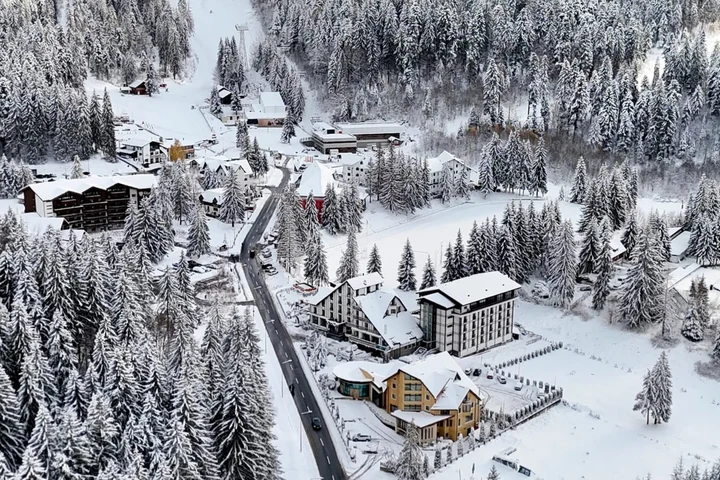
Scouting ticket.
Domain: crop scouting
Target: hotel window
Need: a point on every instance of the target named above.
(393, 396)
(427, 397)
(413, 387)
(409, 377)
(412, 408)
(393, 385)
(413, 398)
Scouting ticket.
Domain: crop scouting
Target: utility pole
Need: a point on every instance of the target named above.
(242, 28)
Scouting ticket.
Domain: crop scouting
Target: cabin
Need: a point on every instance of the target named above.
(138, 87)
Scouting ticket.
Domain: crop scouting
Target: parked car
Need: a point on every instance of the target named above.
(316, 423)
(272, 272)
(266, 254)
(361, 437)
(477, 372)
(490, 375)
(468, 371)
(518, 386)
(502, 380)
(370, 449)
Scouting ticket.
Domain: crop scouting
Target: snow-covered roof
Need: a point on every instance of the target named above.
(134, 142)
(435, 164)
(679, 244)
(473, 288)
(50, 190)
(409, 299)
(241, 164)
(673, 231)
(370, 128)
(271, 99)
(259, 114)
(681, 278)
(362, 371)
(419, 419)
(439, 299)
(136, 83)
(370, 279)
(321, 294)
(37, 225)
(212, 195)
(315, 179)
(398, 328)
(224, 92)
(443, 378)
(350, 159)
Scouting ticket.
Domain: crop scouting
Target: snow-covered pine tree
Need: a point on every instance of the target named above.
(462, 185)
(348, 267)
(107, 135)
(331, 215)
(374, 262)
(506, 254)
(661, 379)
(475, 250)
(353, 206)
(604, 269)
(640, 299)
(11, 430)
(315, 264)
(428, 278)
(486, 181)
(540, 169)
(289, 236)
(232, 209)
(437, 463)
(449, 273)
(288, 130)
(77, 170)
(242, 138)
(198, 233)
(447, 183)
(577, 194)
(215, 105)
(406, 269)
(562, 266)
(460, 264)
(630, 234)
(409, 465)
(589, 249)
(493, 474)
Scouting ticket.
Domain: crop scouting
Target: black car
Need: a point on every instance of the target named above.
(316, 423)
(476, 372)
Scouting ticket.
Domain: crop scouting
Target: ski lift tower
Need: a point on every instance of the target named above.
(242, 28)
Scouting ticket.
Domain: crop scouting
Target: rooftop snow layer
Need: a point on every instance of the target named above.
(474, 288)
(271, 99)
(679, 244)
(315, 180)
(362, 371)
(370, 128)
(50, 190)
(356, 283)
(214, 194)
(439, 299)
(419, 419)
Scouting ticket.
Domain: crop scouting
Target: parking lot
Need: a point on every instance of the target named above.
(505, 397)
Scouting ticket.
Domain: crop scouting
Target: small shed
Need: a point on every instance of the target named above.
(225, 96)
(679, 247)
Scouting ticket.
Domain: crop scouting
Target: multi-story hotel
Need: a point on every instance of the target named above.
(363, 312)
(433, 393)
(468, 315)
(91, 204)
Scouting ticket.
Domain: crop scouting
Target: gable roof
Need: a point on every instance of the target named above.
(135, 142)
(50, 190)
(136, 83)
(473, 288)
(396, 329)
(212, 195)
(241, 164)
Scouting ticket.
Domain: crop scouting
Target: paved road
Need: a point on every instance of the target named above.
(321, 443)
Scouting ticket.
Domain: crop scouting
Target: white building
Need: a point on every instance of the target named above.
(468, 315)
(362, 311)
(211, 200)
(270, 111)
(143, 151)
(223, 166)
(354, 167)
(328, 140)
(436, 165)
(372, 134)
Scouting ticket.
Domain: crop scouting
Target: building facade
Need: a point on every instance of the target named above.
(468, 315)
(91, 204)
(434, 394)
(371, 134)
(362, 312)
(455, 166)
(144, 152)
(328, 140)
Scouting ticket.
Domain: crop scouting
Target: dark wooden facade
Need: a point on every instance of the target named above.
(93, 210)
